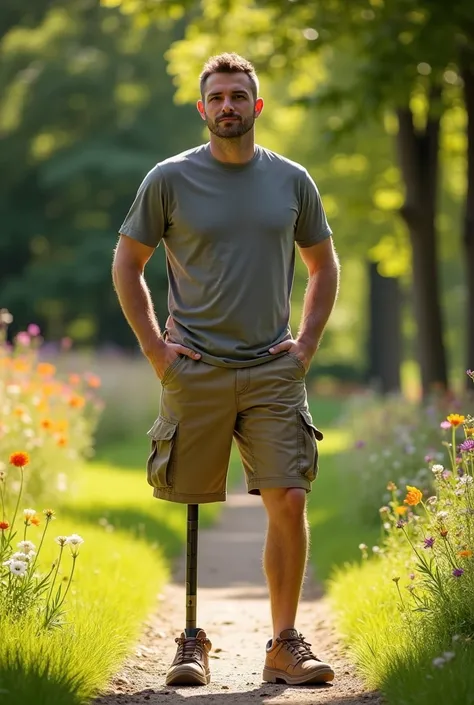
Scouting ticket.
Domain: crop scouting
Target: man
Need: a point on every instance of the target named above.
(229, 214)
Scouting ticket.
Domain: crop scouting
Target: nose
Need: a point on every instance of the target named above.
(227, 106)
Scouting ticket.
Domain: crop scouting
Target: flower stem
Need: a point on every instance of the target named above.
(55, 575)
(16, 508)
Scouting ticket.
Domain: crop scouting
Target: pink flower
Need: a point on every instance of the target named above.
(23, 338)
(33, 330)
(445, 425)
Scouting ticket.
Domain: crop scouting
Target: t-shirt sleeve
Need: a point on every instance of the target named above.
(311, 225)
(147, 219)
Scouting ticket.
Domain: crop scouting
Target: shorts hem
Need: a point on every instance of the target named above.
(254, 486)
(182, 498)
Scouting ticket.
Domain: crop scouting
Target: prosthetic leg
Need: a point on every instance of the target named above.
(191, 569)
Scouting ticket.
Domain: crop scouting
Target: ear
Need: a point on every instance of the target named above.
(258, 106)
(200, 107)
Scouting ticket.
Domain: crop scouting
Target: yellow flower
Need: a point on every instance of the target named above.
(47, 424)
(61, 441)
(455, 419)
(46, 369)
(76, 402)
(401, 510)
(469, 432)
(414, 496)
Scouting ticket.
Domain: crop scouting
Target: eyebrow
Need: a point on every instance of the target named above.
(236, 90)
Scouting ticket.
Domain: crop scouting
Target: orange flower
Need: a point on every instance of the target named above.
(46, 369)
(465, 554)
(401, 510)
(414, 496)
(74, 380)
(62, 441)
(47, 424)
(4, 525)
(455, 419)
(76, 402)
(93, 381)
(18, 411)
(35, 521)
(19, 459)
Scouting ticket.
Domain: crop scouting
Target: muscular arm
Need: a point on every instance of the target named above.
(323, 284)
(134, 296)
(321, 292)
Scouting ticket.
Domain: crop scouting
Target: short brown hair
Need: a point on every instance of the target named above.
(229, 63)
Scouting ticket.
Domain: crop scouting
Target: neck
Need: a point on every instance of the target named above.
(233, 150)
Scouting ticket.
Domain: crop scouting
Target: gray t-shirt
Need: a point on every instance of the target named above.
(229, 233)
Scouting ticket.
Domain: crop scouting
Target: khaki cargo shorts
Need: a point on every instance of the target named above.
(203, 407)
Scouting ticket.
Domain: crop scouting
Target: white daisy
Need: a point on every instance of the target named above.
(74, 540)
(19, 556)
(29, 513)
(26, 546)
(18, 568)
(437, 469)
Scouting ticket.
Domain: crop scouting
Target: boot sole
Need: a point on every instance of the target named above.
(325, 675)
(188, 677)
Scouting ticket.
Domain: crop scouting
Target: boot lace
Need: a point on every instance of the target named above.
(300, 648)
(190, 649)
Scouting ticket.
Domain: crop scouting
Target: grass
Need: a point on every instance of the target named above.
(337, 527)
(130, 540)
(372, 626)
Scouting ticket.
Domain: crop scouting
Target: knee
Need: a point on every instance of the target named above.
(288, 506)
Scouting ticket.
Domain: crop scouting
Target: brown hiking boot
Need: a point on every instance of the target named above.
(191, 663)
(290, 659)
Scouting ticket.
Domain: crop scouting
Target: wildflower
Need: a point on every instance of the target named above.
(26, 546)
(437, 469)
(18, 568)
(46, 369)
(3, 475)
(33, 330)
(5, 317)
(438, 662)
(4, 525)
(466, 480)
(387, 526)
(401, 510)
(396, 580)
(391, 487)
(449, 655)
(414, 496)
(76, 402)
(457, 572)
(61, 441)
(442, 515)
(445, 425)
(93, 381)
(465, 554)
(23, 339)
(61, 540)
(363, 547)
(429, 542)
(35, 521)
(470, 374)
(47, 424)
(400, 524)
(455, 419)
(412, 576)
(443, 533)
(29, 513)
(49, 513)
(74, 540)
(384, 510)
(467, 446)
(469, 432)
(19, 459)
(360, 444)
(376, 550)
(20, 556)
(74, 380)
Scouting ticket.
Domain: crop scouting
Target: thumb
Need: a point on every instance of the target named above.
(281, 347)
(188, 352)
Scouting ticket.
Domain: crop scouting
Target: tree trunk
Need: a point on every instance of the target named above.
(385, 347)
(468, 77)
(418, 155)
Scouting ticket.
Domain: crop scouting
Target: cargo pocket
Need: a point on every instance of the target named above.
(308, 435)
(159, 465)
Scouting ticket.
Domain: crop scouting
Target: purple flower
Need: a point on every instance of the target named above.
(457, 572)
(412, 576)
(445, 425)
(360, 444)
(467, 446)
(400, 524)
(470, 373)
(33, 330)
(429, 542)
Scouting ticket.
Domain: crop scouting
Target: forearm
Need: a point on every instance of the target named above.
(137, 306)
(320, 297)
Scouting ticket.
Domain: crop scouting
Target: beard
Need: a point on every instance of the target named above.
(232, 129)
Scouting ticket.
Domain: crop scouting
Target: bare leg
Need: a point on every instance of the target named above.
(285, 553)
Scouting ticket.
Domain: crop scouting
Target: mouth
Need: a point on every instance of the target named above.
(229, 119)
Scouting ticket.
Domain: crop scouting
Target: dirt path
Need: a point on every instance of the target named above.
(233, 609)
